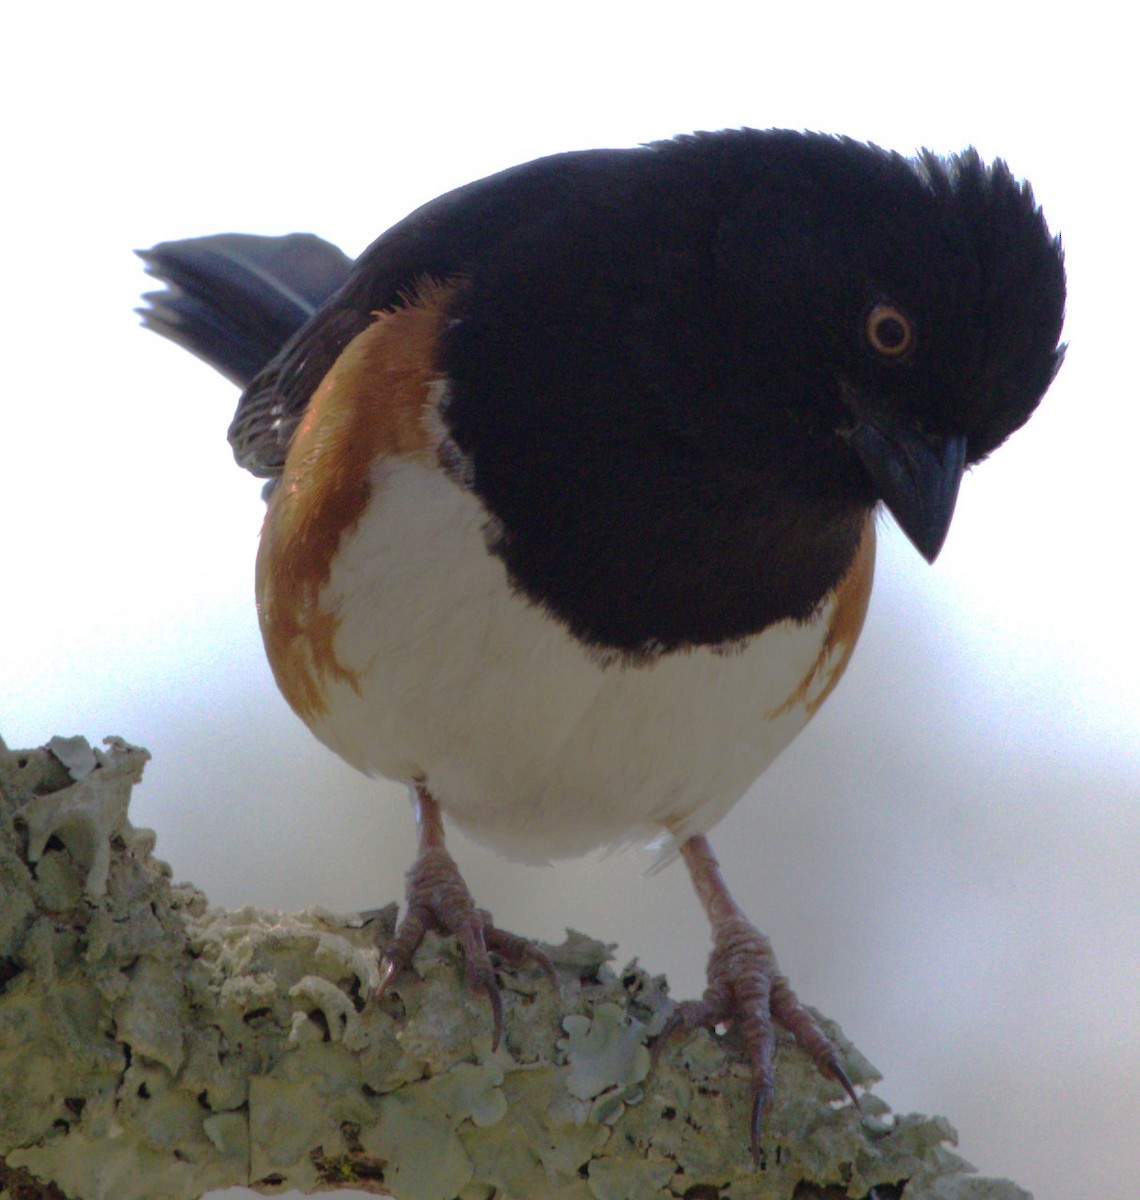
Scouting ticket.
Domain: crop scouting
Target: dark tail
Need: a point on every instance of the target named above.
(234, 299)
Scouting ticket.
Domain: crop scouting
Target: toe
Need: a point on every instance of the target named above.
(518, 951)
(402, 947)
(798, 1021)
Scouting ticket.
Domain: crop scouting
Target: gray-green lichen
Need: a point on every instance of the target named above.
(152, 1047)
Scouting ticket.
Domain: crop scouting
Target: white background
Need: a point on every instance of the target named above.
(947, 859)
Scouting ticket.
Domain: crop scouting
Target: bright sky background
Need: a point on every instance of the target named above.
(947, 860)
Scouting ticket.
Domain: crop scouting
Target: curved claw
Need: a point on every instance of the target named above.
(763, 1095)
(493, 994)
(388, 971)
(402, 947)
(840, 1076)
(761, 1099)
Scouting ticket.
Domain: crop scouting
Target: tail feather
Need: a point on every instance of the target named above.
(234, 299)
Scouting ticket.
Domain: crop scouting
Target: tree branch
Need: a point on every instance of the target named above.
(153, 1047)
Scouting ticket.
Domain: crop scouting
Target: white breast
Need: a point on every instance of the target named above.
(528, 740)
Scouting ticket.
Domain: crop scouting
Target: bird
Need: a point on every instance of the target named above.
(574, 477)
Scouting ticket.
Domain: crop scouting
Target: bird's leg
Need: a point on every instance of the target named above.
(745, 987)
(438, 899)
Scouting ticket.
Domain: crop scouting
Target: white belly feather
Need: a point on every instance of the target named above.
(527, 740)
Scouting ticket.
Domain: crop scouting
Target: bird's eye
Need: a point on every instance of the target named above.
(889, 331)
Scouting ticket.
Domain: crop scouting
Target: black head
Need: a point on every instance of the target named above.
(908, 311)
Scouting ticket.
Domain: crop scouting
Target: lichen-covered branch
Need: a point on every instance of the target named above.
(153, 1047)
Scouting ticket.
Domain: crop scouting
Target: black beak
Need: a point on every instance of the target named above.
(916, 478)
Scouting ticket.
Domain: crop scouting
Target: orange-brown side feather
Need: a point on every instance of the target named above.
(373, 402)
(852, 596)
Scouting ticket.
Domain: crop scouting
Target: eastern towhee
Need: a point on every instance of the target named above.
(574, 479)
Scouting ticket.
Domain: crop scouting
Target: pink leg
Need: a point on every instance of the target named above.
(438, 899)
(745, 986)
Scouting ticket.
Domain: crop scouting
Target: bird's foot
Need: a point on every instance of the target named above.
(745, 987)
(438, 899)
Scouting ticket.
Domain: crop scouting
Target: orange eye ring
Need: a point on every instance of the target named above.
(889, 331)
